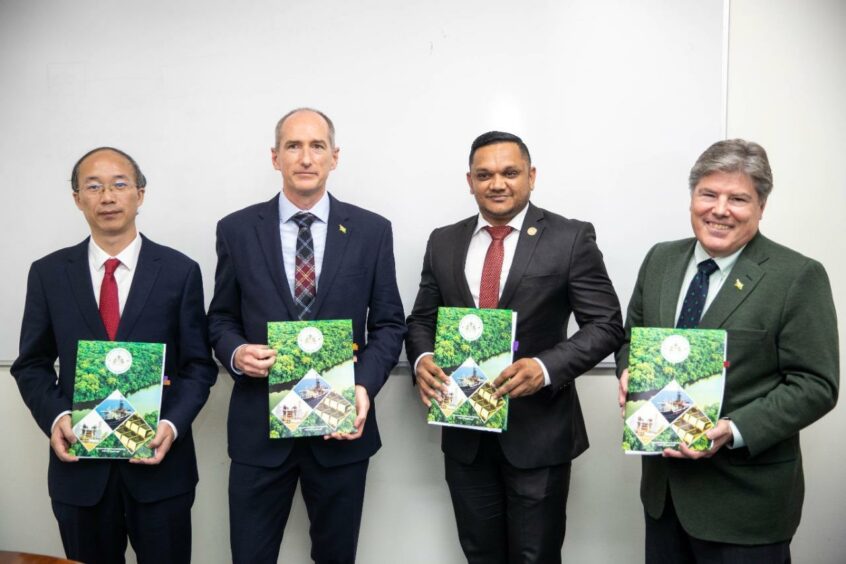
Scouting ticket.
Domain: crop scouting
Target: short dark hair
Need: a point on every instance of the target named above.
(735, 155)
(281, 122)
(140, 179)
(493, 137)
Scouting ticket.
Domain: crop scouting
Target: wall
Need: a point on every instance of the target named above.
(787, 80)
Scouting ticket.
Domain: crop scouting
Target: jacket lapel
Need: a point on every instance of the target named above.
(671, 286)
(459, 258)
(339, 230)
(270, 242)
(146, 272)
(744, 277)
(79, 278)
(529, 236)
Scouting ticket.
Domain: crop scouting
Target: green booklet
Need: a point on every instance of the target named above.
(117, 395)
(312, 382)
(676, 382)
(472, 346)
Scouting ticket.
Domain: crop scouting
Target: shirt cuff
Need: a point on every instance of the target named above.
(737, 438)
(546, 379)
(56, 420)
(232, 361)
(416, 362)
(172, 428)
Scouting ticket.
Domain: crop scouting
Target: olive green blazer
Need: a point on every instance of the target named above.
(783, 375)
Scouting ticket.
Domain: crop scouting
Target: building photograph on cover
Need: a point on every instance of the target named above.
(676, 381)
(311, 386)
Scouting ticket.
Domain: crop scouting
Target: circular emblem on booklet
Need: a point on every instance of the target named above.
(675, 349)
(471, 327)
(310, 340)
(118, 360)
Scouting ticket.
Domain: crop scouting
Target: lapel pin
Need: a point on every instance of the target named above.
(738, 284)
(532, 231)
(341, 228)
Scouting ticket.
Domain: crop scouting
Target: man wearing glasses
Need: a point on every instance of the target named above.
(117, 285)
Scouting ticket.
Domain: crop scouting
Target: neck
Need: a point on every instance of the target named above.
(304, 201)
(113, 245)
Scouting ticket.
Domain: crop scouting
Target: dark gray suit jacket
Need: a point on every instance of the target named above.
(557, 270)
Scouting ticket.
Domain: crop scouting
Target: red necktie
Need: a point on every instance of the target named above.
(109, 305)
(491, 271)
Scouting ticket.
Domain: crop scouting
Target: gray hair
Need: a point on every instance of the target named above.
(281, 122)
(735, 155)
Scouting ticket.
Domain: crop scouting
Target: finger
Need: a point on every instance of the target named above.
(424, 397)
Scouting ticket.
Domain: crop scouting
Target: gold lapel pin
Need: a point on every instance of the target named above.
(341, 228)
(532, 231)
(738, 284)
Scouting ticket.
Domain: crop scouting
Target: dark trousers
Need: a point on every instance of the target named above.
(160, 532)
(260, 500)
(668, 543)
(507, 514)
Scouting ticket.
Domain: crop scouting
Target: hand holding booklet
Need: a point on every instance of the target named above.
(675, 390)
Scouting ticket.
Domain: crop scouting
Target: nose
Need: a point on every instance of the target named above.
(721, 206)
(306, 158)
(498, 182)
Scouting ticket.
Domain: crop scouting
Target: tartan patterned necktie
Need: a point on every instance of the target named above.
(109, 304)
(305, 276)
(492, 269)
(697, 292)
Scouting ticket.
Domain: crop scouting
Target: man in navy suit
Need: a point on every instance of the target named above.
(159, 299)
(302, 255)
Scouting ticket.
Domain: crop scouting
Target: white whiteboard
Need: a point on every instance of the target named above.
(615, 100)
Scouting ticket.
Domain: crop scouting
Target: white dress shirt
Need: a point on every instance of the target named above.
(715, 282)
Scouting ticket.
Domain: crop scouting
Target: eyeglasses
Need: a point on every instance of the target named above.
(94, 188)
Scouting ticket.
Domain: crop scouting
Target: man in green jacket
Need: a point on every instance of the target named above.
(740, 501)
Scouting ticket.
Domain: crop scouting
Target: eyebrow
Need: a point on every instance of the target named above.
(117, 176)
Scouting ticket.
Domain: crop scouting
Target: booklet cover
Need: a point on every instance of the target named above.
(676, 381)
(312, 382)
(472, 346)
(117, 395)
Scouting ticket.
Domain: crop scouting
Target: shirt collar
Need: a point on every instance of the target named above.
(516, 222)
(725, 264)
(320, 210)
(128, 257)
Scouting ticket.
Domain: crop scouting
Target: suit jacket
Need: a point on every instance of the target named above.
(357, 281)
(164, 305)
(557, 270)
(783, 375)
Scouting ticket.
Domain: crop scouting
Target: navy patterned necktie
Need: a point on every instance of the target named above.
(305, 276)
(697, 292)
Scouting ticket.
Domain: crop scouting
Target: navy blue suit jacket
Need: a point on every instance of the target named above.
(165, 305)
(357, 281)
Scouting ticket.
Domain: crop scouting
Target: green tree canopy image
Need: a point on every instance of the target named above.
(292, 362)
(649, 370)
(451, 349)
(94, 381)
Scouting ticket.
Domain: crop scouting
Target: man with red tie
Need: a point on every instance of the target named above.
(117, 285)
(509, 491)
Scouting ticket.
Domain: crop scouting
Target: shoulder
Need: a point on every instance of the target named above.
(780, 260)
(61, 256)
(174, 259)
(358, 214)
(449, 232)
(247, 215)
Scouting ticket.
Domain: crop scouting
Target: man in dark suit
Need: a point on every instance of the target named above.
(155, 295)
(509, 491)
(302, 255)
(741, 500)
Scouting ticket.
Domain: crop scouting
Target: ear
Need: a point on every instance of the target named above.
(273, 154)
(532, 173)
(470, 182)
(76, 199)
(336, 151)
(141, 192)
